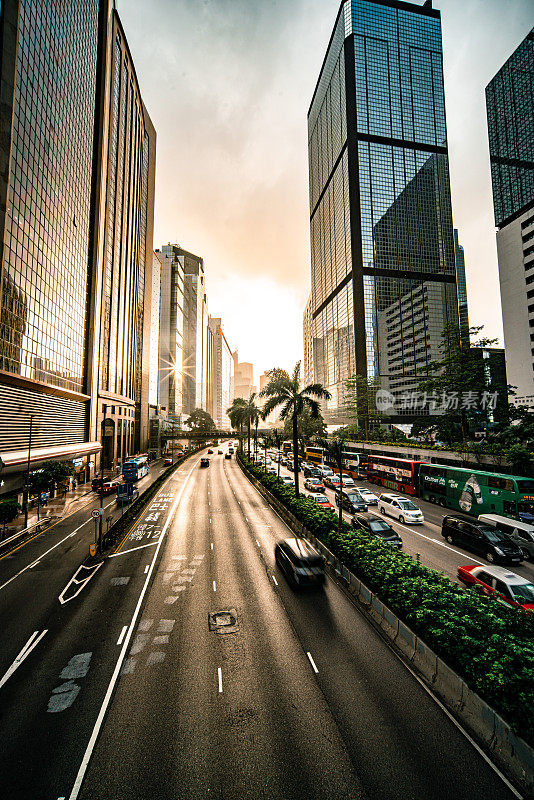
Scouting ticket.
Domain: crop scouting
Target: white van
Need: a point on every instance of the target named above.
(522, 533)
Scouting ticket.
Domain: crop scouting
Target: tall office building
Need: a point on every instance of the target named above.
(222, 374)
(307, 364)
(170, 364)
(510, 111)
(383, 266)
(121, 298)
(463, 313)
(196, 349)
(243, 378)
(76, 207)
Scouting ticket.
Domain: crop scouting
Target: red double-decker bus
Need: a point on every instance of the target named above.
(398, 474)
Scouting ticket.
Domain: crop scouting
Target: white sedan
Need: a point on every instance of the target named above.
(370, 498)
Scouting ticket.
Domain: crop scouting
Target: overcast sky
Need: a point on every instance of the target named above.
(228, 84)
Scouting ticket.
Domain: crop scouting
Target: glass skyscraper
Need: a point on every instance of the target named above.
(383, 264)
(77, 154)
(510, 110)
(461, 282)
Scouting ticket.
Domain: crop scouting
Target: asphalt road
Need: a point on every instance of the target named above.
(135, 691)
(424, 541)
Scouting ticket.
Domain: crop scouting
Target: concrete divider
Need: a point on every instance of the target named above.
(425, 660)
(448, 685)
(513, 755)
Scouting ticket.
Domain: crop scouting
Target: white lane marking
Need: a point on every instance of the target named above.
(219, 674)
(123, 634)
(105, 703)
(147, 568)
(312, 662)
(257, 543)
(275, 581)
(132, 549)
(210, 520)
(26, 650)
(212, 545)
(214, 586)
(34, 564)
(82, 583)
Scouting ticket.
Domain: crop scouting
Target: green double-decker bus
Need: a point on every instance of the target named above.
(477, 492)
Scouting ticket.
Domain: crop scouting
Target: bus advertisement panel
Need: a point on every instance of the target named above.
(477, 492)
(135, 469)
(399, 474)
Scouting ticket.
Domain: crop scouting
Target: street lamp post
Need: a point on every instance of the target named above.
(27, 488)
(104, 407)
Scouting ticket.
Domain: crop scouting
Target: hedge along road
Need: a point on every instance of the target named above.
(425, 540)
(58, 658)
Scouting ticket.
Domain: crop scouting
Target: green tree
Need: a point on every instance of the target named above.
(283, 390)
(53, 474)
(237, 416)
(201, 421)
(459, 370)
(309, 427)
(278, 438)
(244, 413)
(360, 405)
(334, 449)
(9, 510)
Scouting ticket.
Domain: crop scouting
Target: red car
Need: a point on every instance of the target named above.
(506, 586)
(108, 487)
(332, 481)
(322, 501)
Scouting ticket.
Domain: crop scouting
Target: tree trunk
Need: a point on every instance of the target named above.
(296, 452)
(340, 518)
(248, 438)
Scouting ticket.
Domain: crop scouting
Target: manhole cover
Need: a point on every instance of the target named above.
(223, 621)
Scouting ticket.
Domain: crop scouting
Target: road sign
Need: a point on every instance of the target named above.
(96, 513)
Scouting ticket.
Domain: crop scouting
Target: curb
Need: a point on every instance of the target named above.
(512, 754)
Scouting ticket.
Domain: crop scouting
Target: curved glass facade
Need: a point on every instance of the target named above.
(47, 225)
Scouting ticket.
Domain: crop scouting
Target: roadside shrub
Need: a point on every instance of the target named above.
(490, 645)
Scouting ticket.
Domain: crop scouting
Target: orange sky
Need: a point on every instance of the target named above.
(228, 84)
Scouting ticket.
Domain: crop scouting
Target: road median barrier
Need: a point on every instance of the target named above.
(513, 755)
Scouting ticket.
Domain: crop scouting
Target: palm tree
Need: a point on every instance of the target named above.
(283, 390)
(237, 416)
(334, 449)
(245, 412)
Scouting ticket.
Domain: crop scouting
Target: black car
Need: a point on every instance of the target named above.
(480, 538)
(300, 562)
(312, 472)
(204, 462)
(374, 524)
(210, 452)
(351, 501)
(228, 455)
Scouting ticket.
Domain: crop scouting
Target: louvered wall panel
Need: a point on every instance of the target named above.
(56, 420)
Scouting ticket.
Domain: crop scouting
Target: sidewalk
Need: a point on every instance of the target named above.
(59, 506)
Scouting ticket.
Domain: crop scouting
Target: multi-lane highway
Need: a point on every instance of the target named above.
(187, 668)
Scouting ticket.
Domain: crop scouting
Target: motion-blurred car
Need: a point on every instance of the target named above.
(370, 498)
(228, 455)
(204, 462)
(348, 481)
(506, 586)
(312, 471)
(287, 479)
(271, 470)
(314, 485)
(219, 452)
(325, 470)
(372, 523)
(210, 452)
(167, 461)
(322, 501)
(300, 562)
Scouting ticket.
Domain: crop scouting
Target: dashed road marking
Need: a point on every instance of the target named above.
(214, 586)
(275, 581)
(219, 675)
(147, 568)
(312, 662)
(123, 634)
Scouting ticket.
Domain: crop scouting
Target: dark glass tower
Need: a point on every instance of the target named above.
(383, 265)
(510, 110)
(463, 313)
